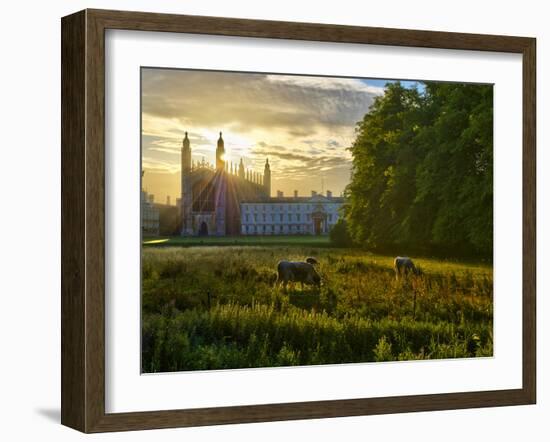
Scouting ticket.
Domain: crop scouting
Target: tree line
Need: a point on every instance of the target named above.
(422, 174)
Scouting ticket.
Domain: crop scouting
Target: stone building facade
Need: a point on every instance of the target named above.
(210, 195)
(227, 199)
(150, 216)
(313, 215)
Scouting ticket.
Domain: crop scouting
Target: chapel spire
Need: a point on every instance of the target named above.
(220, 154)
(267, 177)
(241, 169)
(185, 154)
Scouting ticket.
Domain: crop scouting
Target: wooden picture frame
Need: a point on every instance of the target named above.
(83, 220)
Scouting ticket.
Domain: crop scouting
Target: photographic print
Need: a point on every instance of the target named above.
(295, 220)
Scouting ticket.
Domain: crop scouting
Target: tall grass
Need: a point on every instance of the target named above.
(215, 307)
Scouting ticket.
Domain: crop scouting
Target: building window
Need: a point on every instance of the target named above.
(203, 197)
(281, 217)
(264, 218)
(298, 217)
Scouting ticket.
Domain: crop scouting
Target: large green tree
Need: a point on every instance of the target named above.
(422, 178)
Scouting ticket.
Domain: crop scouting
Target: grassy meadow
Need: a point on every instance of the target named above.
(213, 305)
(275, 240)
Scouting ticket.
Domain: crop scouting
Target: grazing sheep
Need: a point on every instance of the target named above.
(403, 265)
(312, 261)
(296, 271)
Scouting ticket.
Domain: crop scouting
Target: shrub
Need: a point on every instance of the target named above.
(216, 308)
(339, 235)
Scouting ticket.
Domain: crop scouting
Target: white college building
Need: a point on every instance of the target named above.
(150, 216)
(296, 215)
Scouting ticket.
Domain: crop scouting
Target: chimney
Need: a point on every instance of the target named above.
(167, 200)
(151, 198)
(295, 194)
(313, 193)
(329, 194)
(279, 194)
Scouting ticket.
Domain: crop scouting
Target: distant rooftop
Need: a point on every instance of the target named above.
(296, 199)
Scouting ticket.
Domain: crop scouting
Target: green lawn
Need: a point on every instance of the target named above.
(217, 307)
(276, 240)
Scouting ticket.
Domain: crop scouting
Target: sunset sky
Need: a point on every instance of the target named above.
(303, 124)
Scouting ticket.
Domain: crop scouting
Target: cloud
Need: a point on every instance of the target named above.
(248, 102)
(295, 163)
(165, 150)
(285, 155)
(159, 166)
(326, 83)
(303, 123)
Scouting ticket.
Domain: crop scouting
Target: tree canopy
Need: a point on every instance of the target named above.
(422, 176)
